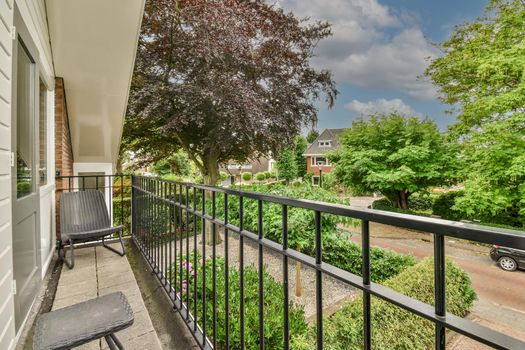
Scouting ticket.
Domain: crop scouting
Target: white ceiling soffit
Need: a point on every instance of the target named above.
(94, 44)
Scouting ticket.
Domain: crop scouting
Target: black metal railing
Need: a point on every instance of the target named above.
(116, 189)
(168, 216)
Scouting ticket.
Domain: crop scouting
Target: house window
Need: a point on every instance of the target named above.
(315, 180)
(325, 143)
(319, 161)
(42, 169)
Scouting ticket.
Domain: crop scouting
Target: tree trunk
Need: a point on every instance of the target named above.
(403, 199)
(298, 283)
(210, 177)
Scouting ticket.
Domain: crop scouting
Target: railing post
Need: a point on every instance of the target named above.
(367, 331)
(439, 288)
(261, 275)
(318, 280)
(286, 302)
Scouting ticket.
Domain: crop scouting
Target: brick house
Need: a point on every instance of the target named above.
(316, 152)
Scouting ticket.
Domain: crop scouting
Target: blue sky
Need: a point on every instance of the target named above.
(378, 50)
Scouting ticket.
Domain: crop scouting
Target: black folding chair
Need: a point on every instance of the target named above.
(83, 218)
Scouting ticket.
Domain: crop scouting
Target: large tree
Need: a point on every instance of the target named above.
(394, 155)
(482, 74)
(223, 80)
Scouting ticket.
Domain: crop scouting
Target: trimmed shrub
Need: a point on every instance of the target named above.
(246, 176)
(273, 305)
(395, 327)
(223, 176)
(338, 249)
(420, 203)
(382, 204)
(308, 177)
(443, 206)
(260, 177)
(297, 183)
(268, 175)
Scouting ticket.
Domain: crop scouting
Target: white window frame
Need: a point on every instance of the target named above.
(325, 143)
(314, 161)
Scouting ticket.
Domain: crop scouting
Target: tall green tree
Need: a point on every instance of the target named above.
(394, 155)
(223, 80)
(300, 146)
(482, 74)
(287, 164)
(312, 135)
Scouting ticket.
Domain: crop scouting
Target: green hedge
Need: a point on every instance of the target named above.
(443, 206)
(273, 306)
(118, 206)
(338, 250)
(393, 327)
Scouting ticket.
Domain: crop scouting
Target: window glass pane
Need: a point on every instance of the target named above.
(25, 123)
(42, 169)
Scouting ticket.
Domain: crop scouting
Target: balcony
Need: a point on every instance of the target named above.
(171, 225)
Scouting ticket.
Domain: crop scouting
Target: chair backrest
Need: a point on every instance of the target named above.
(83, 211)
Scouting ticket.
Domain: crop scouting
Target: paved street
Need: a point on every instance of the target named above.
(501, 300)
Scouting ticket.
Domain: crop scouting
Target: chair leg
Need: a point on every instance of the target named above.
(113, 342)
(63, 254)
(122, 252)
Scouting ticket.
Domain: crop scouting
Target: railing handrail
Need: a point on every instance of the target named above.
(461, 230)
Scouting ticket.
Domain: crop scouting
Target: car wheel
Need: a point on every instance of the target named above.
(507, 263)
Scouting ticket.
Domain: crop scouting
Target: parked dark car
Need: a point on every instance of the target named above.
(509, 259)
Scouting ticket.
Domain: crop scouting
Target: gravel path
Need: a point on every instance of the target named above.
(335, 293)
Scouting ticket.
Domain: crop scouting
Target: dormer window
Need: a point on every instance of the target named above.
(325, 143)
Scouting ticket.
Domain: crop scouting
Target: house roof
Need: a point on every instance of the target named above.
(327, 135)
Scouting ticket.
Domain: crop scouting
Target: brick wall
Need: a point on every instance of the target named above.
(63, 148)
(314, 169)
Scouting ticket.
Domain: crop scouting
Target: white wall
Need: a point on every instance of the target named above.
(34, 17)
(106, 168)
(7, 324)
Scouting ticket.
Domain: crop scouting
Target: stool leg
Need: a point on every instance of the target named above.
(117, 341)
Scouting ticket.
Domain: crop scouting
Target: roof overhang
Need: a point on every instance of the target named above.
(94, 43)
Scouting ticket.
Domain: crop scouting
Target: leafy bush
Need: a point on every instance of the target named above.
(382, 204)
(268, 175)
(395, 327)
(297, 183)
(119, 208)
(338, 249)
(273, 305)
(246, 176)
(420, 202)
(260, 176)
(223, 176)
(443, 206)
(308, 177)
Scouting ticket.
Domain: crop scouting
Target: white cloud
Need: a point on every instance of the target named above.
(372, 46)
(380, 106)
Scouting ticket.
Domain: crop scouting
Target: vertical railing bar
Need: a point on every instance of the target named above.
(241, 270)
(121, 200)
(166, 226)
(188, 308)
(203, 267)
(367, 330)
(214, 268)
(195, 259)
(83, 183)
(318, 280)
(109, 178)
(439, 288)
(226, 277)
(286, 325)
(175, 227)
(181, 256)
(170, 239)
(261, 273)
